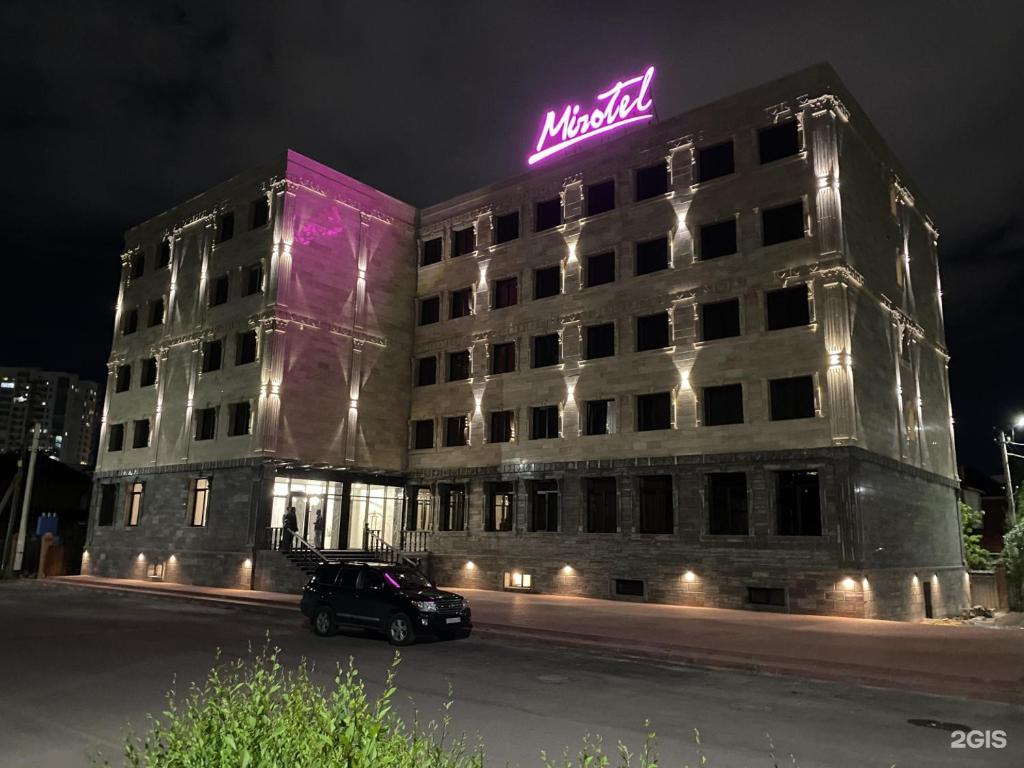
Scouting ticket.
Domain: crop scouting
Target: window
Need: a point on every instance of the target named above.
(783, 223)
(432, 251)
(206, 423)
(549, 214)
(225, 227)
(455, 431)
(134, 506)
(259, 212)
(253, 279)
(792, 398)
(597, 420)
(656, 504)
(423, 434)
(130, 322)
(502, 426)
(163, 254)
(239, 419)
(601, 505)
(147, 374)
(787, 307)
(716, 161)
(718, 239)
(720, 320)
(426, 371)
(600, 269)
(600, 197)
(652, 181)
(652, 332)
(654, 411)
(108, 501)
(219, 290)
(458, 365)
(156, 312)
(506, 292)
(500, 506)
(651, 256)
(506, 227)
(629, 587)
(430, 310)
(723, 405)
(137, 265)
(770, 596)
(140, 433)
(547, 282)
(463, 241)
(462, 303)
(797, 503)
(503, 357)
(199, 501)
(544, 505)
(453, 508)
(245, 347)
(212, 355)
(600, 341)
(115, 437)
(545, 350)
(778, 141)
(122, 378)
(727, 503)
(544, 422)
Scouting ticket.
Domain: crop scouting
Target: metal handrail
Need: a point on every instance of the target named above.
(310, 547)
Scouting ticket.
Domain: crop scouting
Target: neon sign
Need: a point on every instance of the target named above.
(628, 101)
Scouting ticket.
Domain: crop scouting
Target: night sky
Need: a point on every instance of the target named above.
(113, 113)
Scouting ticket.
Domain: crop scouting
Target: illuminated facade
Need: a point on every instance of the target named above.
(699, 361)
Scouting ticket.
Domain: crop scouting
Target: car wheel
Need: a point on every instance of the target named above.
(323, 621)
(400, 630)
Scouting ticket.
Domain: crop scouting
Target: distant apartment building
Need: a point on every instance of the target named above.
(62, 404)
(702, 362)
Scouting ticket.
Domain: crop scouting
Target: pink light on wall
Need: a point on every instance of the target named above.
(628, 101)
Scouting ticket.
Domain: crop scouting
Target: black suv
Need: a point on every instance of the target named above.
(395, 599)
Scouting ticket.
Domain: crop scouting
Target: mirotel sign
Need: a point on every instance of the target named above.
(628, 101)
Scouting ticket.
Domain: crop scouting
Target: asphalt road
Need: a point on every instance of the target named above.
(78, 665)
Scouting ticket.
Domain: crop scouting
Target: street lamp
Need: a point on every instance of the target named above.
(1004, 442)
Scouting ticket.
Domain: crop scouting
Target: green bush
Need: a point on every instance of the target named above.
(1013, 559)
(978, 558)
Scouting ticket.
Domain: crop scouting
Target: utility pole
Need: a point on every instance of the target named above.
(1011, 512)
(27, 499)
(7, 554)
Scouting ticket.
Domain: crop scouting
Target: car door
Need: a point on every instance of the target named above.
(344, 595)
(371, 598)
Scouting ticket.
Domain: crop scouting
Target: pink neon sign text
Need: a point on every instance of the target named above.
(628, 101)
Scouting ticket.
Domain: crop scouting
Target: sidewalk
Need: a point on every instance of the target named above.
(967, 661)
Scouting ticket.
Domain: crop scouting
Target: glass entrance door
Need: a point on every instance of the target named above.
(376, 507)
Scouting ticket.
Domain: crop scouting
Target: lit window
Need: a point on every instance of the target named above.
(517, 580)
(199, 501)
(134, 504)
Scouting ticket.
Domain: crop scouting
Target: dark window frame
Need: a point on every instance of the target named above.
(422, 428)
(590, 340)
(653, 411)
(543, 495)
(713, 244)
(506, 227)
(544, 220)
(792, 515)
(651, 520)
(653, 332)
(714, 156)
(497, 420)
(648, 260)
(453, 503)
(731, 520)
(246, 347)
(780, 150)
(503, 350)
(717, 414)
(454, 359)
(205, 427)
(106, 507)
(253, 279)
(122, 378)
(421, 374)
(540, 347)
(781, 311)
(148, 368)
(541, 276)
(599, 191)
(506, 492)
(225, 226)
(427, 254)
(608, 260)
(783, 403)
(592, 418)
(141, 434)
(462, 243)
(646, 177)
(505, 292)
(429, 307)
(212, 362)
(259, 212)
(115, 438)
(777, 229)
(720, 326)
(545, 422)
(220, 290)
(156, 312)
(456, 431)
(235, 412)
(599, 492)
(460, 303)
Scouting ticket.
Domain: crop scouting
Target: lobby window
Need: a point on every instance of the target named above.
(543, 422)
(133, 509)
(219, 290)
(122, 378)
(199, 502)
(225, 227)
(463, 241)
(778, 141)
(140, 433)
(147, 372)
(786, 222)
(239, 419)
(461, 303)
(453, 508)
(602, 507)
(252, 279)
(652, 332)
(714, 162)
(156, 312)
(549, 214)
(718, 239)
(652, 181)
(108, 503)
(506, 227)
(212, 355)
(655, 504)
(654, 411)
(426, 371)
(600, 269)
(130, 322)
(423, 434)
(501, 427)
(432, 251)
(456, 431)
(430, 310)
(720, 320)
(651, 256)
(597, 417)
(544, 505)
(787, 307)
(600, 197)
(503, 357)
(163, 254)
(723, 405)
(792, 398)
(599, 341)
(206, 423)
(797, 503)
(500, 506)
(259, 212)
(727, 504)
(245, 347)
(547, 282)
(137, 265)
(458, 365)
(115, 437)
(506, 293)
(545, 350)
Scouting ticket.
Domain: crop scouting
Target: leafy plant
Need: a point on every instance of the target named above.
(1013, 560)
(978, 558)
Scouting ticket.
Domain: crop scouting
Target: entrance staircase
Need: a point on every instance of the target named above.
(307, 559)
